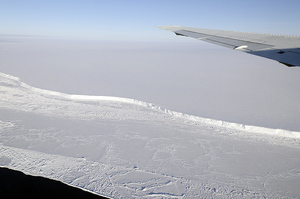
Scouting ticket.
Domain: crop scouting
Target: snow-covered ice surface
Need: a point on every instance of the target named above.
(121, 147)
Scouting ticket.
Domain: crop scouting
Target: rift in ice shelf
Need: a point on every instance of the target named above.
(282, 48)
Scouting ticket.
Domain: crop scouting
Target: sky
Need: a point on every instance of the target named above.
(136, 19)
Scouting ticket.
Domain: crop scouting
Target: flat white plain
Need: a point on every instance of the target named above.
(121, 147)
(190, 77)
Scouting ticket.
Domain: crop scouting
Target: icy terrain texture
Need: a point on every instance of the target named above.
(120, 147)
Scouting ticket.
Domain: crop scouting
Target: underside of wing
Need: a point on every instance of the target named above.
(284, 49)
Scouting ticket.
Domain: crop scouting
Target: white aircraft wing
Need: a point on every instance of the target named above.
(284, 49)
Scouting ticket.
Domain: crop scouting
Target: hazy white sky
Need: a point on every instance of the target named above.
(135, 19)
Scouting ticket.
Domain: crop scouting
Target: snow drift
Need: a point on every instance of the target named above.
(15, 81)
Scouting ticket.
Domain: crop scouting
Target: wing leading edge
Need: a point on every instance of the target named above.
(284, 49)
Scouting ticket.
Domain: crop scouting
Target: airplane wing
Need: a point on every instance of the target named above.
(284, 49)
